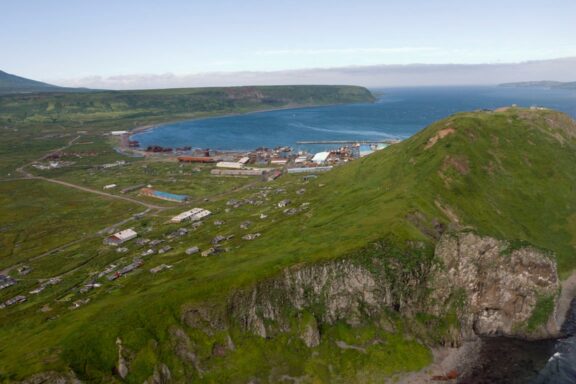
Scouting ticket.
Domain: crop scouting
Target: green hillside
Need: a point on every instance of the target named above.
(10, 84)
(509, 174)
(32, 124)
(136, 107)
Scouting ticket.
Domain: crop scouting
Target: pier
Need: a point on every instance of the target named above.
(349, 142)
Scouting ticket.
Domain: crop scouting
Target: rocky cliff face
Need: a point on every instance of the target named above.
(333, 291)
(499, 286)
(502, 285)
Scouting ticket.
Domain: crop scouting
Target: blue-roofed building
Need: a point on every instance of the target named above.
(163, 195)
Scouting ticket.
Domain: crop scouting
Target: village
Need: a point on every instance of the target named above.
(188, 233)
(171, 177)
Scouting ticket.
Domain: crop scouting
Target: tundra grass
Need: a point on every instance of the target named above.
(38, 216)
(509, 175)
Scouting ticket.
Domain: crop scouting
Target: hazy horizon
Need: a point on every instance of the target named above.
(376, 76)
(175, 43)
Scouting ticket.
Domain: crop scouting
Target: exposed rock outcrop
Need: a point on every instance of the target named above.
(497, 286)
(52, 378)
(501, 284)
(122, 366)
(340, 290)
(161, 375)
(183, 348)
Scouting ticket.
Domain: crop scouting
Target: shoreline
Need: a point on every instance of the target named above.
(150, 127)
(448, 365)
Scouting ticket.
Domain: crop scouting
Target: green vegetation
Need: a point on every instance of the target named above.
(507, 174)
(33, 124)
(15, 84)
(544, 308)
(38, 216)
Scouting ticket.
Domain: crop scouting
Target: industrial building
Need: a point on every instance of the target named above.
(121, 237)
(321, 157)
(192, 159)
(237, 172)
(163, 195)
(194, 214)
(311, 169)
(230, 164)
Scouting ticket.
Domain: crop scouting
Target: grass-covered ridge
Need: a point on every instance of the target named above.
(99, 107)
(507, 174)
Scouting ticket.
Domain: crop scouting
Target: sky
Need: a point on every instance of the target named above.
(75, 42)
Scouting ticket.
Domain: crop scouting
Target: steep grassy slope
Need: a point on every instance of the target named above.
(508, 174)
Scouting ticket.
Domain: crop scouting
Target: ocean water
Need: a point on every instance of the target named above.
(398, 113)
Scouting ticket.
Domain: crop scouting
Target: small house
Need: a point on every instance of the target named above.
(208, 252)
(192, 250)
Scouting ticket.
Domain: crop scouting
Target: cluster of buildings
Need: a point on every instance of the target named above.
(137, 263)
(46, 284)
(15, 300)
(6, 281)
(256, 163)
(194, 214)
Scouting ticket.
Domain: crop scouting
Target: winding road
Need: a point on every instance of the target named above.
(27, 175)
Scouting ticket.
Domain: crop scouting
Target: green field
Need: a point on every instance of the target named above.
(508, 174)
(37, 216)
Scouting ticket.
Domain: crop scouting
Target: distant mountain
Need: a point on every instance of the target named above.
(542, 84)
(11, 84)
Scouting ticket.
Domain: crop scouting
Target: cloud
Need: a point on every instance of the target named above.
(343, 51)
(563, 69)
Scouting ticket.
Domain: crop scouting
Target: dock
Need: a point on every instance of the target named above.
(349, 142)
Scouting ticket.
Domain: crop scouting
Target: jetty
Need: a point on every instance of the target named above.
(390, 141)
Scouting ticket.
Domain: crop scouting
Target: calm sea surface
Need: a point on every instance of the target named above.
(398, 113)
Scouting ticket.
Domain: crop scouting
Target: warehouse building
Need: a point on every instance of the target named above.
(230, 164)
(192, 159)
(309, 169)
(237, 172)
(163, 195)
(194, 214)
(121, 237)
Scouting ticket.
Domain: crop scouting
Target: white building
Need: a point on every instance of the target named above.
(320, 157)
(194, 214)
(301, 159)
(121, 237)
(118, 133)
(229, 164)
(110, 186)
